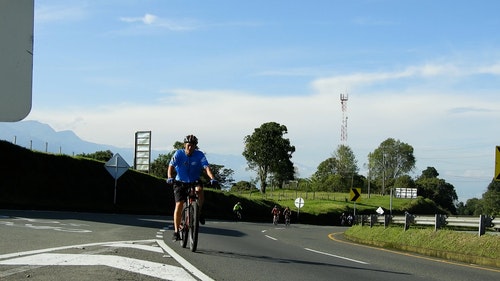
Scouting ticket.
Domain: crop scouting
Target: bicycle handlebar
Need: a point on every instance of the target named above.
(195, 183)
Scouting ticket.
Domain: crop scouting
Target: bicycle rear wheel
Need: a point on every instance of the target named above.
(194, 226)
(184, 228)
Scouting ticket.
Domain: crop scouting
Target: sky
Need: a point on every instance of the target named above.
(426, 73)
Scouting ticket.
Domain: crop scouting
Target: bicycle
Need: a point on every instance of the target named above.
(276, 219)
(190, 219)
(238, 215)
(287, 220)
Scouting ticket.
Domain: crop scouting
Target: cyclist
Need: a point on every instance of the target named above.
(287, 213)
(188, 164)
(237, 210)
(276, 214)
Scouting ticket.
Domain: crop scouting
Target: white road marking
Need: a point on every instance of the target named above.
(38, 258)
(153, 269)
(188, 266)
(335, 256)
(60, 226)
(81, 246)
(270, 237)
(136, 246)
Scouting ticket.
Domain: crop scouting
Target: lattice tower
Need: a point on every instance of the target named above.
(343, 131)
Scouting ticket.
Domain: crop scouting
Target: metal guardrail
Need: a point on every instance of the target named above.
(482, 222)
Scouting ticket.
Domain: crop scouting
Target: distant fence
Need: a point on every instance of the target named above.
(482, 222)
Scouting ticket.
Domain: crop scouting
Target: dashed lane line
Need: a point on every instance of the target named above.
(335, 256)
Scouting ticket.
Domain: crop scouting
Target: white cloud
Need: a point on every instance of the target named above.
(429, 120)
(431, 73)
(155, 21)
(58, 13)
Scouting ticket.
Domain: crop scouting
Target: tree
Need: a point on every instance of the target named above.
(243, 186)
(98, 155)
(160, 164)
(491, 199)
(325, 169)
(346, 163)
(337, 173)
(285, 171)
(391, 160)
(267, 152)
(473, 207)
(405, 181)
(429, 173)
(436, 189)
(223, 175)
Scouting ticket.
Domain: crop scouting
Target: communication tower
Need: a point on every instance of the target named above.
(343, 131)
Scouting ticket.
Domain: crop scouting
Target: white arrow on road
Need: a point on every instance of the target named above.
(143, 267)
(43, 257)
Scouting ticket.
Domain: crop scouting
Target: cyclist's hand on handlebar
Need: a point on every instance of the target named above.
(170, 181)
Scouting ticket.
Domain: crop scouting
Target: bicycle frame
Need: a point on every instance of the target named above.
(276, 218)
(190, 219)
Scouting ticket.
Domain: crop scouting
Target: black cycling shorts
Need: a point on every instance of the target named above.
(181, 190)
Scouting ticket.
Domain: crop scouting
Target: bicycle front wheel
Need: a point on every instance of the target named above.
(184, 230)
(194, 226)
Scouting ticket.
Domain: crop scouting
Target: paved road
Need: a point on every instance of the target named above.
(81, 246)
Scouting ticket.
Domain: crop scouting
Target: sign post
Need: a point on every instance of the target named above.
(116, 166)
(299, 203)
(355, 195)
(497, 163)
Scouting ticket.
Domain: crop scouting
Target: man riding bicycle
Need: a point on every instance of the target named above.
(287, 212)
(237, 210)
(276, 214)
(188, 164)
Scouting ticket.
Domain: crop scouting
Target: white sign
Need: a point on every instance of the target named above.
(16, 59)
(116, 166)
(299, 202)
(406, 193)
(380, 211)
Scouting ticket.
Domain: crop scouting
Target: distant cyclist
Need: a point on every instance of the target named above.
(276, 214)
(287, 213)
(188, 164)
(237, 210)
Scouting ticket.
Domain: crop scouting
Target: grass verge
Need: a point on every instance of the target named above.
(451, 245)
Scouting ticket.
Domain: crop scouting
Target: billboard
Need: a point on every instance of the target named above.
(410, 193)
(142, 158)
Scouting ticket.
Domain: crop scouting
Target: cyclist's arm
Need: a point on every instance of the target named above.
(170, 171)
(209, 172)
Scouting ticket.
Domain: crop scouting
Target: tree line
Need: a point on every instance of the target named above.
(269, 154)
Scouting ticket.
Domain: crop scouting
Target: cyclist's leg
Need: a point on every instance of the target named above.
(201, 198)
(177, 215)
(179, 204)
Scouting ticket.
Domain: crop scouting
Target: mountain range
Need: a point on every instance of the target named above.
(41, 137)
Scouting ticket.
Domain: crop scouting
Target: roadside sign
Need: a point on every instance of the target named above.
(355, 194)
(16, 59)
(116, 166)
(299, 202)
(497, 163)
